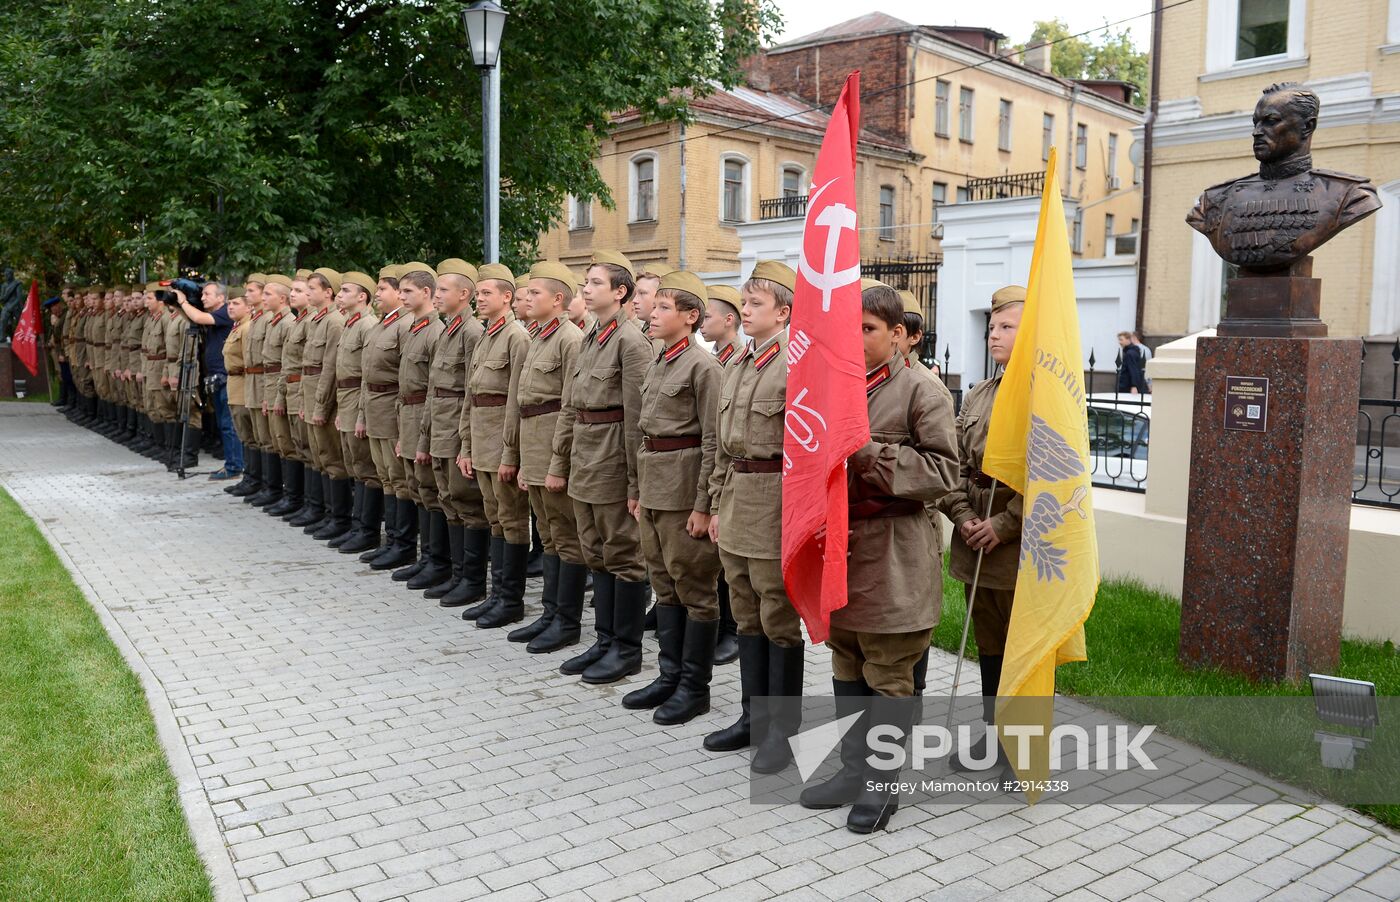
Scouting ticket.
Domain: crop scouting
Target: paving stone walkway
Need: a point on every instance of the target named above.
(337, 737)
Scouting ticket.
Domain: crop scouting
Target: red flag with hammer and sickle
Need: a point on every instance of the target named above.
(826, 418)
(26, 337)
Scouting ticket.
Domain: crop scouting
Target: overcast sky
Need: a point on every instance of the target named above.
(1013, 18)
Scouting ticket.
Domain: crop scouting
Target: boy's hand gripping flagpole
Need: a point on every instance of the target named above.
(967, 620)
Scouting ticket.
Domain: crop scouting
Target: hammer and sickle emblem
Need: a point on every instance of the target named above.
(836, 218)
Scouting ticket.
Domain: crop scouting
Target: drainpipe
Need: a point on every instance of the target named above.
(681, 260)
(1154, 97)
(1070, 143)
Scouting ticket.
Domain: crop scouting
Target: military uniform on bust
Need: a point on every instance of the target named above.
(545, 378)
(747, 492)
(599, 431)
(467, 528)
(417, 282)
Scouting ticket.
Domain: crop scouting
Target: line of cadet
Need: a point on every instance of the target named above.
(420, 417)
(123, 349)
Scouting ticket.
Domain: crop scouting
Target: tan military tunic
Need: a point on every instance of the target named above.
(414, 362)
(490, 419)
(447, 380)
(751, 405)
(728, 353)
(379, 362)
(349, 368)
(254, 331)
(318, 364)
(153, 363)
(133, 361)
(273, 390)
(680, 400)
(968, 499)
(894, 572)
(549, 365)
(602, 457)
(235, 349)
(293, 358)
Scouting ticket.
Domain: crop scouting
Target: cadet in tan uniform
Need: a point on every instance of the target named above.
(680, 401)
(644, 299)
(379, 406)
(468, 532)
(545, 376)
(598, 434)
(256, 475)
(998, 537)
(417, 283)
(747, 492)
(152, 368)
(367, 508)
(319, 397)
(721, 328)
(130, 366)
(235, 365)
(894, 572)
(313, 508)
(489, 432)
(277, 322)
(176, 329)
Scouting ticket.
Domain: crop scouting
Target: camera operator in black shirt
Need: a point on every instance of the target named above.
(215, 317)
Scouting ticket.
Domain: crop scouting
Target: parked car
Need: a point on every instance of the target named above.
(1119, 428)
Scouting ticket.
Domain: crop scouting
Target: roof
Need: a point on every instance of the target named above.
(870, 23)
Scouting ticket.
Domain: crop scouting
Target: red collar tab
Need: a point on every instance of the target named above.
(607, 333)
(767, 356)
(876, 379)
(456, 324)
(420, 326)
(728, 352)
(354, 319)
(548, 329)
(496, 327)
(676, 350)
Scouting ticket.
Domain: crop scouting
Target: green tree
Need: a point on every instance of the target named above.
(1113, 56)
(231, 135)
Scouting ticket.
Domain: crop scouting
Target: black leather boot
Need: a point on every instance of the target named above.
(312, 509)
(624, 655)
(327, 499)
(692, 696)
(192, 438)
(388, 513)
(405, 545)
(785, 686)
(510, 606)
(753, 681)
(439, 563)
(365, 536)
(727, 643)
(357, 503)
(424, 535)
(251, 483)
(563, 628)
(877, 801)
(454, 560)
(293, 489)
(265, 497)
(548, 600)
(476, 561)
(670, 637)
(844, 787)
(496, 556)
(338, 511)
(604, 592)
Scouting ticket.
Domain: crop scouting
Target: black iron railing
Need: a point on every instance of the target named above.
(1016, 184)
(783, 207)
(1376, 472)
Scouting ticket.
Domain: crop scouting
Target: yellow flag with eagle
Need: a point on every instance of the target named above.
(1038, 444)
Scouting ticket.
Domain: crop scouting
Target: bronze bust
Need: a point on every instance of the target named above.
(1269, 221)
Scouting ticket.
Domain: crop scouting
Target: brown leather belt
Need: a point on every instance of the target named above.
(606, 415)
(748, 465)
(448, 393)
(254, 370)
(272, 368)
(414, 398)
(155, 356)
(293, 378)
(489, 400)
(878, 508)
(348, 382)
(671, 444)
(539, 410)
(311, 370)
(236, 371)
(381, 387)
(981, 480)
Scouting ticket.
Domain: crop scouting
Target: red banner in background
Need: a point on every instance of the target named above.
(26, 337)
(826, 415)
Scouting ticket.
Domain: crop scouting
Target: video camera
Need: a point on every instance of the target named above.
(191, 289)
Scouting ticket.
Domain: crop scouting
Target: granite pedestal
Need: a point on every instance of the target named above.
(1270, 505)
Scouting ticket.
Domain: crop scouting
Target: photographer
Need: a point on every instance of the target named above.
(215, 317)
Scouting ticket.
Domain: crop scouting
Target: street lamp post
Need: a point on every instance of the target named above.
(484, 21)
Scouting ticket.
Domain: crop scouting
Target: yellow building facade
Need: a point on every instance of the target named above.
(1220, 55)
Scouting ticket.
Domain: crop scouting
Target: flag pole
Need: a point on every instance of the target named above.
(967, 620)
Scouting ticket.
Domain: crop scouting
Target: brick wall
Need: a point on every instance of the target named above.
(817, 73)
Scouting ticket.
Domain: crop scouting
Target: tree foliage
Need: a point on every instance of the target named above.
(234, 135)
(1113, 56)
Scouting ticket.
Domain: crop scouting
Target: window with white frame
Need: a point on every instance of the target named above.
(1081, 146)
(887, 212)
(940, 193)
(1004, 125)
(580, 213)
(1392, 30)
(1076, 239)
(1107, 233)
(942, 90)
(965, 98)
(794, 181)
(734, 191)
(643, 188)
(962, 194)
(1047, 135)
(1112, 158)
(1254, 33)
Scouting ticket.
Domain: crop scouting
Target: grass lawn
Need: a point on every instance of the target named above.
(88, 807)
(1132, 642)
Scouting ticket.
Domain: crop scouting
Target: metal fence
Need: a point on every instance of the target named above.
(794, 207)
(1376, 473)
(919, 275)
(1016, 184)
